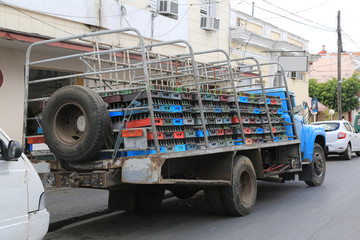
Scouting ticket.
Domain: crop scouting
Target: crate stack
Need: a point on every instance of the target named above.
(179, 125)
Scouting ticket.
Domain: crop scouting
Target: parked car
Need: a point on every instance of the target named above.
(341, 138)
(22, 198)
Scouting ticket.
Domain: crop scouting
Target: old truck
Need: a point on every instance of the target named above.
(137, 122)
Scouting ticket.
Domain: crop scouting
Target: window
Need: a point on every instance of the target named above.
(348, 128)
(295, 75)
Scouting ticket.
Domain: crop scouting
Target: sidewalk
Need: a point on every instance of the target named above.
(67, 205)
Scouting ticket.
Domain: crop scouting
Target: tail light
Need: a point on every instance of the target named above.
(341, 135)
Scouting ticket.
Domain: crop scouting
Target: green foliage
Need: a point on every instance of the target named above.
(326, 93)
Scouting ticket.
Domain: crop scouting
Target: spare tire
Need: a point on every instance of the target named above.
(76, 124)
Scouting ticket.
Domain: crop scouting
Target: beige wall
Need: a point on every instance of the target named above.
(12, 92)
(300, 89)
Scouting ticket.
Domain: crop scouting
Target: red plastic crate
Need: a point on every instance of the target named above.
(150, 135)
(224, 98)
(247, 130)
(178, 135)
(235, 120)
(220, 132)
(274, 130)
(228, 131)
(248, 141)
(273, 101)
(143, 123)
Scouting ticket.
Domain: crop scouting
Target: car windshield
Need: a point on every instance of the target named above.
(328, 126)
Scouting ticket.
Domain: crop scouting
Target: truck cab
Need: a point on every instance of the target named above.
(23, 214)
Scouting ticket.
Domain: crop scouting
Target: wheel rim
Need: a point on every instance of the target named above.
(318, 164)
(70, 123)
(245, 188)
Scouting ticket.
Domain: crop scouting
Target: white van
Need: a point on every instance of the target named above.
(22, 198)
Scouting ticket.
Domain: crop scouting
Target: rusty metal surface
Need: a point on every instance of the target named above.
(194, 182)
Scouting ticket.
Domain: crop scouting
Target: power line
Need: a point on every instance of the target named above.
(304, 10)
(289, 18)
(176, 23)
(291, 13)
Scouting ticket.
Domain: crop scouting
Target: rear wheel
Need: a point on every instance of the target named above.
(357, 153)
(317, 167)
(76, 124)
(239, 198)
(347, 153)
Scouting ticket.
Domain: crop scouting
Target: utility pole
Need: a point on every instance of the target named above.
(339, 67)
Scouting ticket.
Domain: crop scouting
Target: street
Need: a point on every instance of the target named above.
(283, 211)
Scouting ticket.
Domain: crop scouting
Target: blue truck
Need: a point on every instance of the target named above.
(141, 123)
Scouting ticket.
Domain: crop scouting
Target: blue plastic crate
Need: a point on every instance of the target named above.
(268, 101)
(259, 131)
(176, 108)
(200, 133)
(39, 130)
(275, 139)
(178, 122)
(138, 153)
(166, 108)
(257, 110)
(116, 114)
(238, 142)
(162, 149)
(180, 148)
(226, 120)
(217, 109)
(243, 99)
(280, 111)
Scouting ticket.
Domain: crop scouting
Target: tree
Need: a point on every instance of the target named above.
(326, 93)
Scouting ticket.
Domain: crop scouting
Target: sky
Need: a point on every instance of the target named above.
(313, 20)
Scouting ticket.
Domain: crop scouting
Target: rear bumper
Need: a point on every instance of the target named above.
(38, 224)
(337, 147)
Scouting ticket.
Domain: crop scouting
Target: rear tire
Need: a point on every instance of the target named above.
(357, 153)
(347, 153)
(76, 124)
(240, 197)
(317, 167)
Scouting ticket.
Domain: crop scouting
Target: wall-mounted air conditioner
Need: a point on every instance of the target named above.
(210, 23)
(168, 7)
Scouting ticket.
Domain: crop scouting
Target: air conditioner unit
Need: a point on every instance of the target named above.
(168, 7)
(210, 23)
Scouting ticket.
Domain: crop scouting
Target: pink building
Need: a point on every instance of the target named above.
(325, 68)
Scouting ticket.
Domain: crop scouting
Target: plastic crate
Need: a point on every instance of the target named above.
(143, 123)
(180, 148)
(178, 122)
(190, 147)
(178, 135)
(200, 133)
(116, 114)
(150, 135)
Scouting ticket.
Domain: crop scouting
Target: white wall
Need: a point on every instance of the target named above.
(107, 14)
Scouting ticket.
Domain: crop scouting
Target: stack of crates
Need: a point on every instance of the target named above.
(179, 124)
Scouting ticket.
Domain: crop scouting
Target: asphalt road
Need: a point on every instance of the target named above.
(283, 211)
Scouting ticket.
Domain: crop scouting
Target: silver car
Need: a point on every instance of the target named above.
(341, 138)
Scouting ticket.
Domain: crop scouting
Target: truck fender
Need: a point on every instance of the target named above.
(309, 136)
